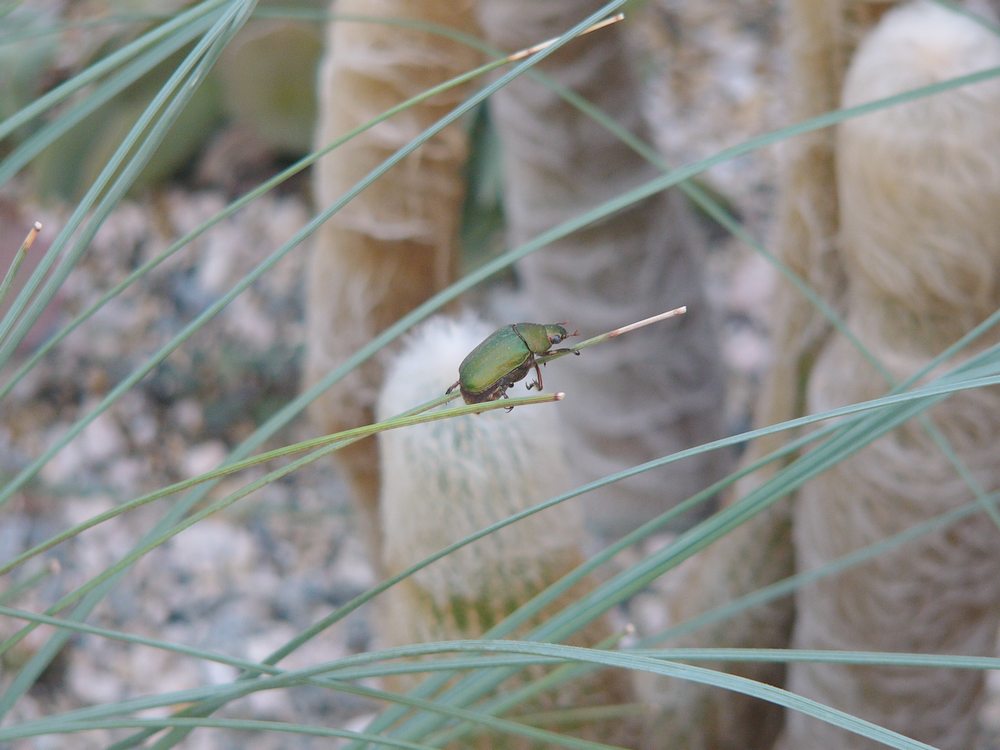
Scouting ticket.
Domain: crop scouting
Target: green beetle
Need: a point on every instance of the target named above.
(505, 357)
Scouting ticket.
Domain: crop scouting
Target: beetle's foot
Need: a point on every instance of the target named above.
(534, 384)
(508, 409)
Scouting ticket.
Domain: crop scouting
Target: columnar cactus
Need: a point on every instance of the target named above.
(891, 219)
(396, 244)
(445, 480)
(919, 187)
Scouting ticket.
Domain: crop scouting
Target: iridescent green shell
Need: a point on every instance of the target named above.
(503, 358)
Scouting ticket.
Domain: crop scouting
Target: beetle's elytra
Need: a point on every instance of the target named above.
(505, 357)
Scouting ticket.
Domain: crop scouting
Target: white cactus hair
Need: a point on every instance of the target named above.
(428, 361)
(919, 182)
(893, 219)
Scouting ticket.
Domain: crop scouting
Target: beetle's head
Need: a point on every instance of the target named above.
(557, 333)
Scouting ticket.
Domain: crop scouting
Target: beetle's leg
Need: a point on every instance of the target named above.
(503, 394)
(538, 374)
(453, 386)
(563, 351)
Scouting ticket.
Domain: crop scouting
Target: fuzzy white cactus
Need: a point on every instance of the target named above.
(445, 480)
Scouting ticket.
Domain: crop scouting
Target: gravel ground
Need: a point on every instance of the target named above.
(250, 578)
(242, 582)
